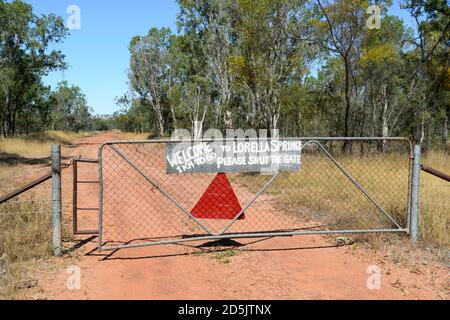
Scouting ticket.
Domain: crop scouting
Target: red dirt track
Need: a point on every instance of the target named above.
(307, 267)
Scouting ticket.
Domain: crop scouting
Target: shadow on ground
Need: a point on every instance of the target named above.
(15, 159)
(218, 246)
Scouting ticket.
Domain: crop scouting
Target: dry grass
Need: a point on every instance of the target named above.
(435, 201)
(25, 222)
(133, 136)
(25, 225)
(37, 145)
(25, 237)
(321, 192)
(225, 256)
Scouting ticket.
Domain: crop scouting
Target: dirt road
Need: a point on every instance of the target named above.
(277, 268)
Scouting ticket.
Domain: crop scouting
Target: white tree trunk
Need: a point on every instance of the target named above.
(384, 119)
(159, 119)
(197, 130)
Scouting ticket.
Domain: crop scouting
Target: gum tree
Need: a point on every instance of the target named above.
(25, 57)
(150, 70)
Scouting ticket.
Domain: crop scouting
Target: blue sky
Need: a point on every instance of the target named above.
(98, 52)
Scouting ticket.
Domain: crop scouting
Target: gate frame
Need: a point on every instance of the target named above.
(412, 198)
(76, 182)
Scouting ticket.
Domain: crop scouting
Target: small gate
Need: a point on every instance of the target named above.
(75, 203)
(339, 186)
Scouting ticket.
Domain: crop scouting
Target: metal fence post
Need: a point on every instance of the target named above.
(415, 195)
(56, 200)
(75, 196)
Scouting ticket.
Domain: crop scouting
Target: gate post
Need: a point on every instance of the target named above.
(56, 200)
(75, 196)
(415, 196)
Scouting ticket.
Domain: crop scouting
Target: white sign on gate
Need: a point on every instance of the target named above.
(234, 156)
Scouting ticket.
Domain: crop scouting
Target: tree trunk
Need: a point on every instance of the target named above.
(429, 137)
(228, 119)
(445, 127)
(347, 144)
(384, 128)
(6, 114)
(10, 124)
(274, 124)
(159, 119)
(361, 134)
(299, 124)
(197, 130)
(174, 117)
(422, 130)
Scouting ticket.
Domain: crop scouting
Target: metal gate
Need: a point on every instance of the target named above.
(76, 182)
(344, 186)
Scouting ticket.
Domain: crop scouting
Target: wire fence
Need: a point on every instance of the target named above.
(25, 220)
(36, 200)
(355, 186)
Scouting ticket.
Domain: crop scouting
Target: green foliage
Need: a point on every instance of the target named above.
(70, 110)
(303, 67)
(306, 68)
(26, 56)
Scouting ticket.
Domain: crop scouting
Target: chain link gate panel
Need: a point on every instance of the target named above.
(364, 189)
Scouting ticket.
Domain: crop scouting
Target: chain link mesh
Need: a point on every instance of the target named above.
(143, 203)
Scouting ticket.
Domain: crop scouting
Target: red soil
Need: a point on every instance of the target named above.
(307, 267)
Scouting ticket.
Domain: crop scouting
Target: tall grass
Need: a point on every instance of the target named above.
(134, 136)
(321, 192)
(25, 236)
(435, 201)
(25, 222)
(25, 232)
(37, 145)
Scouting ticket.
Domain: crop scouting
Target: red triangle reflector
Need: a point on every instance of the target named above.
(219, 202)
